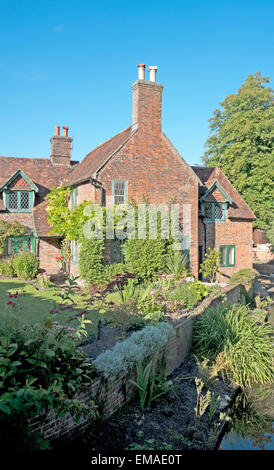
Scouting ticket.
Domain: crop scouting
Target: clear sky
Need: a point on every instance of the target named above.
(67, 62)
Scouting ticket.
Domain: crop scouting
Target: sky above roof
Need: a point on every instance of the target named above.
(73, 63)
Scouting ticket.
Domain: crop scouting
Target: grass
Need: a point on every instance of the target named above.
(36, 305)
(243, 347)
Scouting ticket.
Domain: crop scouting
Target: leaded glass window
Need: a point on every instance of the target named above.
(13, 200)
(19, 201)
(214, 211)
(24, 200)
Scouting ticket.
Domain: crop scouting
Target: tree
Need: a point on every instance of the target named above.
(241, 144)
(270, 234)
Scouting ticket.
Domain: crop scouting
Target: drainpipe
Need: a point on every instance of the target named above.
(98, 185)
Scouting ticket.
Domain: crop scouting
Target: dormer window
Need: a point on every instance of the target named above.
(214, 203)
(19, 201)
(19, 193)
(214, 211)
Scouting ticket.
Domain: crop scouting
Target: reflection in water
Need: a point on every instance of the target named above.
(251, 425)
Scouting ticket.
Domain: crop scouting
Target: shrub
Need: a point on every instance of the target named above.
(178, 264)
(188, 293)
(244, 276)
(111, 270)
(139, 346)
(209, 267)
(91, 261)
(146, 257)
(25, 265)
(6, 268)
(229, 336)
(41, 369)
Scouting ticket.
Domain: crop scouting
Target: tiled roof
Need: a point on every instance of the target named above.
(43, 174)
(239, 208)
(97, 157)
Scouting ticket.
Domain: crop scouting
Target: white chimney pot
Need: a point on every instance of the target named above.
(141, 71)
(152, 73)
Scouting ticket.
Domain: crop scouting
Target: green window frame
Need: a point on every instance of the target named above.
(74, 197)
(227, 255)
(74, 252)
(19, 244)
(214, 211)
(19, 201)
(119, 191)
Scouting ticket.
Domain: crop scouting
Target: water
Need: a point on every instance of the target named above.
(234, 441)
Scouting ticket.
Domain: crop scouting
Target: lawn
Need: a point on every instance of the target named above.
(35, 305)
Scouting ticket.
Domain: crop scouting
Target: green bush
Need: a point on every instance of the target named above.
(244, 276)
(6, 268)
(91, 261)
(188, 293)
(25, 265)
(146, 257)
(41, 369)
(111, 270)
(243, 349)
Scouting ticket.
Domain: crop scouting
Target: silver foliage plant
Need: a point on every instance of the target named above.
(139, 346)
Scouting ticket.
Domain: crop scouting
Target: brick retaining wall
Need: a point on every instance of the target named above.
(112, 394)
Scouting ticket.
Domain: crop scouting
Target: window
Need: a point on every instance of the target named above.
(214, 211)
(19, 244)
(227, 255)
(74, 198)
(119, 192)
(19, 201)
(74, 252)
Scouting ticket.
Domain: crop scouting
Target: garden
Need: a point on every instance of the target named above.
(57, 338)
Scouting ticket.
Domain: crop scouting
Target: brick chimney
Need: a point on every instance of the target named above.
(147, 102)
(60, 147)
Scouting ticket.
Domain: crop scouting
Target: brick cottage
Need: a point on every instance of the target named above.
(139, 162)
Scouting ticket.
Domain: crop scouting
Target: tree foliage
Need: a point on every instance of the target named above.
(241, 144)
(9, 229)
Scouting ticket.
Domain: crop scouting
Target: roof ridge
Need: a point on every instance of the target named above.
(106, 141)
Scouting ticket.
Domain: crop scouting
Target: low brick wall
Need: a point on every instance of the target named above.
(113, 394)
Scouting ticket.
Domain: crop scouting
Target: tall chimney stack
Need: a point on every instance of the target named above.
(61, 147)
(147, 102)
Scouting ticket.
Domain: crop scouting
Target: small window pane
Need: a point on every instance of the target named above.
(222, 255)
(13, 200)
(218, 211)
(19, 244)
(119, 192)
(29, 247)
(208, 211)
(24, 200)
(231, 254)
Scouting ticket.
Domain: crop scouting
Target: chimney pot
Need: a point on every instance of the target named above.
(141, 71)
(65, 131)
(57, 130)
(152, 73)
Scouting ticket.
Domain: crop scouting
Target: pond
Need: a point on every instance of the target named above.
(252, 422)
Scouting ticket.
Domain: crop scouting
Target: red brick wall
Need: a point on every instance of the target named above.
(154, 171)
(49, 248)
(232, 232)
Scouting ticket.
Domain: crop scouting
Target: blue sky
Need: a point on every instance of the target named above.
(73, 63)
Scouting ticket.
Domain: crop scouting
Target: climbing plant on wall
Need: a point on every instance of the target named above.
(9, 229)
